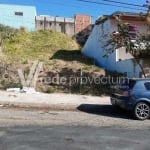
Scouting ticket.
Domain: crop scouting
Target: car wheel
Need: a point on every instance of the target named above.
(141, 111)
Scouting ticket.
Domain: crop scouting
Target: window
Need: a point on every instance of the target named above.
(147, 85)
(19, 13)
(131, 83)
(139, 85)
(133, 31)
(41, 23)
(50, 23)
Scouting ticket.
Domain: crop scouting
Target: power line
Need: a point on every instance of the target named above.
(100, 3)
(64, 5)
(41, 11)
(50, 3)
(129, 4)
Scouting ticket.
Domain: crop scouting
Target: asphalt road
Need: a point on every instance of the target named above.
(91, 128)
(73, 138)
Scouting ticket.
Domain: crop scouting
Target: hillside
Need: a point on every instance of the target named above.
(61, 56)
(55, 49)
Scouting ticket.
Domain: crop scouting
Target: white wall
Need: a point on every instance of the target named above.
(94, 48)
(142, 26)
(121, 54)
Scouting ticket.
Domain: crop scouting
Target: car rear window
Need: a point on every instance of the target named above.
(147, 85)
(131, 84)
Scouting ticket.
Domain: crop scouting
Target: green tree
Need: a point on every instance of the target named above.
(6, 32)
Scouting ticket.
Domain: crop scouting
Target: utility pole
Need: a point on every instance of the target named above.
(147, 5)
(148, 13)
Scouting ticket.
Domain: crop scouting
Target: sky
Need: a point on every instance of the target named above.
(68, 8)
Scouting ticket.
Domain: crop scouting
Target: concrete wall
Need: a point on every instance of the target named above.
(94, 48)
(59, 24)
(45, 22)
(69, 26)
(121, 54)
(17, 16)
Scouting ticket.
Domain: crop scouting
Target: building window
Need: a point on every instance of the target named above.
(41, 23)
(19, 13)
(50, 24)
(133, 31)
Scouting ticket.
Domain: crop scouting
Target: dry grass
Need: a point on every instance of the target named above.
(56, 50)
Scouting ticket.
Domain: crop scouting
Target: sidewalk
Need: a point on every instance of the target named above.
(56, 101)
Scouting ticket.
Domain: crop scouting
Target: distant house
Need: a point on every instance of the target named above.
(59, 24)
(71, 26)
(82, 21)
(119, 60)
(17, 16)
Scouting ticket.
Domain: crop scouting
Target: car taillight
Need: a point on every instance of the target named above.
(126, 93)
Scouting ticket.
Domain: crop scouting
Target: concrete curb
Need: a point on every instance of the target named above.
(57, 101)
(33, 106)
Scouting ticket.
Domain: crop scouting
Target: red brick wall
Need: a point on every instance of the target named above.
(81, 22)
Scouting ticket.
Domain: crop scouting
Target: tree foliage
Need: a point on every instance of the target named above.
(122, 38)
(6, 32)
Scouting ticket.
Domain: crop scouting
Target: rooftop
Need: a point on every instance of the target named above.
(103, 18)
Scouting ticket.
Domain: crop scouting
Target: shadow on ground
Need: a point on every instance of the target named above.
(72, 55)
(105, 110)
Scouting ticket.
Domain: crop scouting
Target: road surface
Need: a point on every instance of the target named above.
(89, 128)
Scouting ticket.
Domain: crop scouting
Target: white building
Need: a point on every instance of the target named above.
(119, 60)
(17, 16)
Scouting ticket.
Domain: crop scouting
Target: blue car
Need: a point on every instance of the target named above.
(134, 95)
